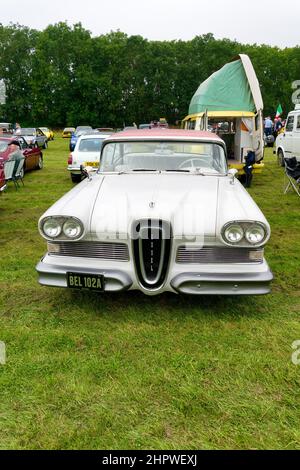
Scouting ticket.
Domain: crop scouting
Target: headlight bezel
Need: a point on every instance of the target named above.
(61, 220)
(246, 226)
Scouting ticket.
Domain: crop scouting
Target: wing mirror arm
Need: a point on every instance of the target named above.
(232, 174)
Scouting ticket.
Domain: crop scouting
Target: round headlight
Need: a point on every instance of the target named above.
(52, 228)
(255, 234)
(72, 228)
(234, 233)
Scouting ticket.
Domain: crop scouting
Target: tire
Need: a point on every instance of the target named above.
(280, 158)
(45, 145)
(75, 178)
(40, 163)
(270, 145)
(22, 172)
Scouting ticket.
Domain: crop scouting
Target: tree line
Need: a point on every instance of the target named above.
(64, 76)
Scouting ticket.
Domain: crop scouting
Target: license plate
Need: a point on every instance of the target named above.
(85, 281)
(91, 164)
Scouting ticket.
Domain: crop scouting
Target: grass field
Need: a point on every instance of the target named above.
(128, 371)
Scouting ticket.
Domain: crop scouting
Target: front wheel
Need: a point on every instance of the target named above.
(280, 158)
(22, 172)
(75, 178)
(40, 163)
(45, 145)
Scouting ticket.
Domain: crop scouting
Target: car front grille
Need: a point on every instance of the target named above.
(218, 255)
(151, 248)
(99, 250)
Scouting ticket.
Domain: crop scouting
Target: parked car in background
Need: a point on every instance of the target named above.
(33, 156)
(67, 132)
(48, 133)
(162, 123)
(87, 151)
(2, 177)
(288, 141)
(33, 136)
(6, 128)
(162, 213)
(81, 130)
(144, 126)
(107, 130)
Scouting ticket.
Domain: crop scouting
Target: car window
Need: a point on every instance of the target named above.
(204, 157)
(290, 124)
(90, 145)
(298, 122)
(27, 131)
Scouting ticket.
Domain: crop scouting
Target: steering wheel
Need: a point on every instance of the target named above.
(191, 160)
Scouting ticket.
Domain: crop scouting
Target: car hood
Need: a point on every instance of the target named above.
(188, 202)
(195, 205)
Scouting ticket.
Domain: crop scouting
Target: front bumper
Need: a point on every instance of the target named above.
(56, 276)
(223, 283)
(200, 280)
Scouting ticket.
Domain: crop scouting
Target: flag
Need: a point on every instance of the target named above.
(279, 111)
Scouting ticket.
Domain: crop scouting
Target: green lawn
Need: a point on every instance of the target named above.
(128, 371)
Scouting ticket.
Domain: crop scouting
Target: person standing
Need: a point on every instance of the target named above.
(268, 126)
(278, 125)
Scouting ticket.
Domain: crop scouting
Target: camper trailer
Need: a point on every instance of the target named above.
(229, 103)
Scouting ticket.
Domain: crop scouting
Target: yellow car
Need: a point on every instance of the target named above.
(67, 132)
(48, 133)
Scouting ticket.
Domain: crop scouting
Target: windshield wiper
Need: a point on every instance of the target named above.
(178, 171)
(143, 169)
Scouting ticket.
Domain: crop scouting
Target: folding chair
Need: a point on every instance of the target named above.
(292, 173)
(13, 171)
(19, 172)
(9, 167)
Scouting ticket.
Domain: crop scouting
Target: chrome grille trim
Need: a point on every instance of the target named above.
(216, 255)
(98, 250)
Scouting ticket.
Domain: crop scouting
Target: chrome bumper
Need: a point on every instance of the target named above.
(223, 283)
(246, 282)
(56, 276)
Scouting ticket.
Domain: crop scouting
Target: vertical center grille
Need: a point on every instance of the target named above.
(151, 248)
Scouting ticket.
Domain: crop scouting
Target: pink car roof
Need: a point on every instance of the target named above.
(165, 134)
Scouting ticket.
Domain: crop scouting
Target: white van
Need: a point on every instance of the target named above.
(288, 141)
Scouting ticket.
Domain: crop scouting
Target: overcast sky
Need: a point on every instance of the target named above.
(274, 22)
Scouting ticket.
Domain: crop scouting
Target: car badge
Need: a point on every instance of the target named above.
(151, 205)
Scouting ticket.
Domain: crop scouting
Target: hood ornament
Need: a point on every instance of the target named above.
(151, 205)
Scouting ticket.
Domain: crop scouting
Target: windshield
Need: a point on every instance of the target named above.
(90, 145)
(200, 157)
(26, 131)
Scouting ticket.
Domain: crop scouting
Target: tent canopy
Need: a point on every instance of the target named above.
(232, 88)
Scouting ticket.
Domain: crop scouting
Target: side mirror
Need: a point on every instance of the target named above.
(232, 173)
(86, 171)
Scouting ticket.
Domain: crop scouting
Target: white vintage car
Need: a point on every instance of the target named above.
(162, 213)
